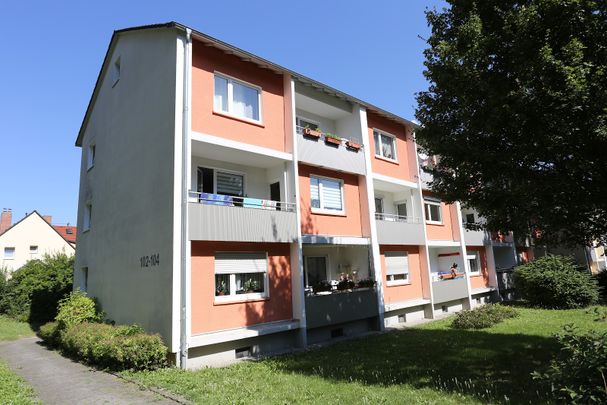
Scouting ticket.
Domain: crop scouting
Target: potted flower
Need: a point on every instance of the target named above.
(312, 133)
(322, 287)
(222, 289)
(366, 283)
(251, 286)
(332, 139)
(344, 285)
(353, 145)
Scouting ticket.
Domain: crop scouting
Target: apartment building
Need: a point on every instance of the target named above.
(239, 208)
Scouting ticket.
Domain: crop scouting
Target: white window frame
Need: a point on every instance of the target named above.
(474, 256)
(298, 119)
(219, 169)
(233, 297)
(230, 95)
(327, 273)
(392, 282)
(427, 211)
(12, 257)
(322, 210)
(379, 153)
(88, 217)
(34, 252)
(90, 156)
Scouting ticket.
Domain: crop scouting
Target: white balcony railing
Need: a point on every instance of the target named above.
(397, 218)
(243, 202)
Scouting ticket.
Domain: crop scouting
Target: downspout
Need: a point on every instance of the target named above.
(185, 150)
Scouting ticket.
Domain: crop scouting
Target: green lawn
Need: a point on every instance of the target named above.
(428, 364)
(13, 390)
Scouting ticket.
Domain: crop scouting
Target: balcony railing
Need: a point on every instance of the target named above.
(243, 202)
(397, 218)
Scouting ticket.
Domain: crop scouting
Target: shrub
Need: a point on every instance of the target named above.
(114, 347)
(483, 317)
(3, 280)
(49, 332)
(34, 290)
(577, 374)
(77, 308)
(601, 279)
(555, 282)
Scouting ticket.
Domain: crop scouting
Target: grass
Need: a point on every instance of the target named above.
(12, 330)
(13, 390)
(432, 363)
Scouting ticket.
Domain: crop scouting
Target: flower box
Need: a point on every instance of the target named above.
(353, 145)
(332, 140)
(312, 133)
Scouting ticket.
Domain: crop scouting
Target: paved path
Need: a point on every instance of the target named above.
(58, 380)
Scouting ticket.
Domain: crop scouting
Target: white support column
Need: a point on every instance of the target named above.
(464, 252)
(374, 245)
(297, 276)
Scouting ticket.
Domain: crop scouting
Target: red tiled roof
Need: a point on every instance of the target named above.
(68, 232)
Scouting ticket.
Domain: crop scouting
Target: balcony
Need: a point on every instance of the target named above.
(450, 290)
(240, 219)
(395, 229)
(340, 307)
(327, 150)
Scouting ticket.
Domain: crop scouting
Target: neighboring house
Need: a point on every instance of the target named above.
(217, 208)
(31, 238)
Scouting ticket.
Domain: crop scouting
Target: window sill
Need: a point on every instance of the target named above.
(227, 299)
(435, 223)
(327, 212)
(475, 274)
(385, 159)
(397, 283)
(240, 119)
(88, 169)
(8, 258)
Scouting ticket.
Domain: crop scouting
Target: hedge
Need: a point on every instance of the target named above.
(483, 317)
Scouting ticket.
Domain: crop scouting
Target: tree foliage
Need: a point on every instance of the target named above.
(517, 111)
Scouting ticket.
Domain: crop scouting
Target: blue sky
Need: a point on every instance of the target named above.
(52, 53)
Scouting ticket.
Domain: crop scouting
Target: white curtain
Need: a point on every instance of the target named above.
(245, 101)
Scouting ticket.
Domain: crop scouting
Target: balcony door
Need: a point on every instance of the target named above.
(215, 181)
(275, 194)
(316, 270)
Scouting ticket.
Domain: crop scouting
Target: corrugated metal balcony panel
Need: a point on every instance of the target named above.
(331, 309)
(449, 290)
(399, 233)
(238, 224)
(317, 153)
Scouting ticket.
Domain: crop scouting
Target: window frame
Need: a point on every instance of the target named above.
(322, 210)
(12, 256)
(392, 282)
(116, 71)
(88, 217)
(233, 297)
(34, 252)
(380, 155)
(474, 256)
(219, 169)
(427, 215)
(90, 156)
(299, 118)
(230, 94)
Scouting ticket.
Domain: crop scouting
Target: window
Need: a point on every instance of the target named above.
(316, 270)
(9, 253)
(379, 206)
(326, 195)
(116, 72)
(219, 182)
(385, 145)
(306, 123)
(470, 218)
(397, 268)
(433, 212)
(401, 210)
(241, 275)
(88, 215)
(85, 279)
(90, 156)
(474, 263)
(33, 249)
(237, 98)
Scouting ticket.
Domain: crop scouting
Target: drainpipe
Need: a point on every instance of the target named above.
(185, 150)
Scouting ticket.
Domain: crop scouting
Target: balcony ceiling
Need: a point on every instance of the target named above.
(389, 187)
(233, 155)
(317, 107)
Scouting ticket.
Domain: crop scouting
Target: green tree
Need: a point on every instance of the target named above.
(517, 111)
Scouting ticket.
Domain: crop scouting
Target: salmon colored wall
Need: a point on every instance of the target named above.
(208, 316)
(328, 224)
(404, 168)
(482, 280)
(270, 134)
(447, 230)
(411, 291)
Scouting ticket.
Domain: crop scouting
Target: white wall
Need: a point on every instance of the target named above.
(390, 200)
(342, 258)
(31, 231)
(326, 124)
(131, 186)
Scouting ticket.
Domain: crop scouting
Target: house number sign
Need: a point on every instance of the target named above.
(150, 261)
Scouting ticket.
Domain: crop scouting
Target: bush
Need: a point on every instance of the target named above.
(483, 317)
(578, 372)
(77, 308)
(555, 282)
(50, 333)
(601, 279)
(114, 347)
(34, 290)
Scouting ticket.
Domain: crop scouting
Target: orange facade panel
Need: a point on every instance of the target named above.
(209, 315)
(269, 132)
(349, 223)
(482, 280)
(448, 228)
(403, 165)
(411, 291)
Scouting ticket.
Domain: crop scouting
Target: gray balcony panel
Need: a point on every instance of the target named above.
(323, 310)
(399, 233)
(317, 153)
(449, 290)
(222, 223)
(476, 238)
